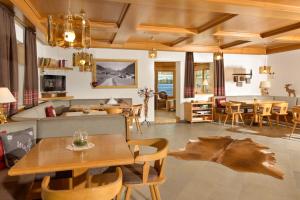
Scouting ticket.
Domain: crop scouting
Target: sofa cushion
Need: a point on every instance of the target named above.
(50, 112)
(17, 144)
(220, 101)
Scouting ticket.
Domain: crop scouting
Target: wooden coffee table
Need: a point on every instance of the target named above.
(51, 155)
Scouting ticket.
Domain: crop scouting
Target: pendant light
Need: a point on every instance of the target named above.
(218, 55)
(70, 30)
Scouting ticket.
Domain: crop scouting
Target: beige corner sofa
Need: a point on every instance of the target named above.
(66, 125)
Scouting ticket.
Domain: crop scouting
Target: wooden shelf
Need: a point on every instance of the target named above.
(56, 98)
(191, 115)
(56, 68)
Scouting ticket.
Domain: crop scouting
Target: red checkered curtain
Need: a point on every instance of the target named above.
(189, 75)
(8, 57)
(219, 86)
(31, 89)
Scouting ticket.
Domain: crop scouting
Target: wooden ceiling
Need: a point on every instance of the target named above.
(235, 26)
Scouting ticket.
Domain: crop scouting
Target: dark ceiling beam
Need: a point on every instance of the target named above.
(233, 44)
(204, 28)
(283, 48)
(280, 30)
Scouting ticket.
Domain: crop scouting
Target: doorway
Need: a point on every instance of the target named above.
(165, 89)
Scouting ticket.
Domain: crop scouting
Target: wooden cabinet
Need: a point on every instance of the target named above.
(200, 111)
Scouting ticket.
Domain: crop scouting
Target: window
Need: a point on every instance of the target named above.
(165, 82)
(203, 77)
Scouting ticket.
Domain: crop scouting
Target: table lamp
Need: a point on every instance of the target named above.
(265, 86)
(5, 97)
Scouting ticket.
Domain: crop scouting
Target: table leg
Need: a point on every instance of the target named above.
(79, 178)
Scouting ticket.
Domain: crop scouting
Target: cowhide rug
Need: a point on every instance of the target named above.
(241, 155)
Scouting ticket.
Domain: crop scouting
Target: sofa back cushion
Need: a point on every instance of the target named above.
(93, 124)
(17, 144)
(18, 126)
(37, 112)
(88, 101)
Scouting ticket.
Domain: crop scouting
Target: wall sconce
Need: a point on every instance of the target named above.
(83, 60)
(152, 53)
(267, 70)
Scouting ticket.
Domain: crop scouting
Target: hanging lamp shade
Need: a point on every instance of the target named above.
(71, 30)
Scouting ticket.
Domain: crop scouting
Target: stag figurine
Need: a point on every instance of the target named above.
(289, 90)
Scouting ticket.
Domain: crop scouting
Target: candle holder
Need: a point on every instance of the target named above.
(146, 93)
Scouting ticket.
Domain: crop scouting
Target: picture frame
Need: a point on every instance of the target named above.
(115, 73)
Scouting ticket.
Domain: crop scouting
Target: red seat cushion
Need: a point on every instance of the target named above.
(2, 161)
(50, 111)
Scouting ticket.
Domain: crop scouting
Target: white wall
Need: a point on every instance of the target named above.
(243, 63)
(78, 83)
(287, 69)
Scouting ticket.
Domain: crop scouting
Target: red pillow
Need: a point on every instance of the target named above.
(220, 101)
(2, 161)
(50, 111)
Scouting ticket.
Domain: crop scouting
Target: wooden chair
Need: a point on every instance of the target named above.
(260, 111)
(114, 110)
(233, 110)
(99, 189)
(135, 115)
(296, 118)
(280, 109)
(142, 172)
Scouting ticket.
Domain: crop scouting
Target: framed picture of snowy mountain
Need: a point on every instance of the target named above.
(115, 73)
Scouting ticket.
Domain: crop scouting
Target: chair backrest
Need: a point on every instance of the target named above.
(163, 95)
(159, 157)
(283, 107)
(137, 110)
(231, 107)
(265, 109)
(114, 111)
(103, 192)
(296, 113)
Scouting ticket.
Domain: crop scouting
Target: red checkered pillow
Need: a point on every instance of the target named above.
(50, 111)
(2, 161)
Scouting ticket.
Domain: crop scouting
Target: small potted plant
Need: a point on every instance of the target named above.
(80, 139)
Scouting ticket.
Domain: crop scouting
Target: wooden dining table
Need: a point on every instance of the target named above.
(51, 155)
(255, 102)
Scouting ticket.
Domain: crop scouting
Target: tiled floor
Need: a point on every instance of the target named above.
(189, 180)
